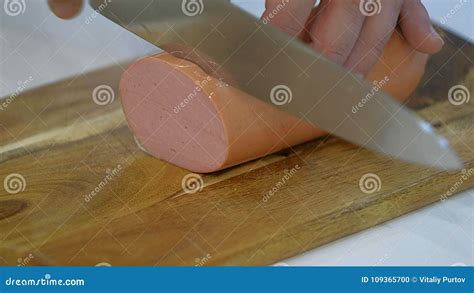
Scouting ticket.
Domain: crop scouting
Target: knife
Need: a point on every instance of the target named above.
(243, 51)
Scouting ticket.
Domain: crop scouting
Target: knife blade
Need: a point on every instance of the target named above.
(241, 50)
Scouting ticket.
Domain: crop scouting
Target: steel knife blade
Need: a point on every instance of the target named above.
(243, 51)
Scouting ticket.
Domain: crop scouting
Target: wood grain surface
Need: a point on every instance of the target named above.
(88, 195)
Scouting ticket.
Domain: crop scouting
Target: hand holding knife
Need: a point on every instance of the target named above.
(257, 58)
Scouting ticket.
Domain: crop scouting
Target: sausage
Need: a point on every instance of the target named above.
(182, 115)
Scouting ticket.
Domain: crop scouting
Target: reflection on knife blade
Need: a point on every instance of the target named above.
(260, 60)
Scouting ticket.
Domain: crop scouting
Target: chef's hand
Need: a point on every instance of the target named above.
(65, 8)
(349, 32)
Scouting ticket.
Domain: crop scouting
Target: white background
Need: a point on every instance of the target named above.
(39, 45)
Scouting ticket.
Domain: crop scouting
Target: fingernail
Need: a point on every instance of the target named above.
(65, 9)
(435, 35)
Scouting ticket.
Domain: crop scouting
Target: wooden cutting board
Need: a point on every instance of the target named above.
(91, 196)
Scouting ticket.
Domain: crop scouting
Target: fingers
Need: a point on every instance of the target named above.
(417, 28)
(288, 15)
(65, 8)
(336, 28)
(375, 34)
(343, 32)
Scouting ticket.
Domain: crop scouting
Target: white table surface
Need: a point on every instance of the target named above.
(39, 45)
